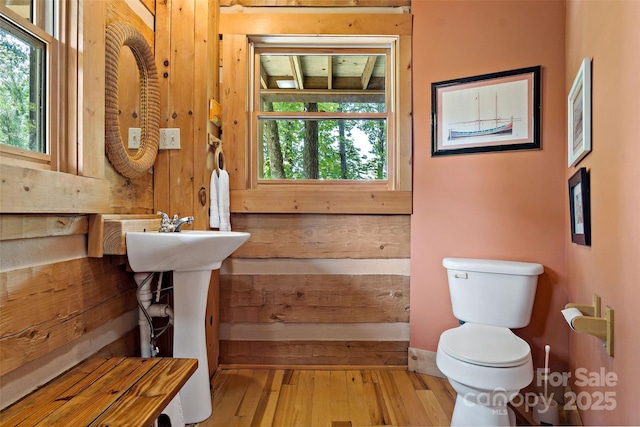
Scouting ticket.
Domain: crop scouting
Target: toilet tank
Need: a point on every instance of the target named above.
(492, 292)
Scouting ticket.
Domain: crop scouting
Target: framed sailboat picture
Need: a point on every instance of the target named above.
(490, 112)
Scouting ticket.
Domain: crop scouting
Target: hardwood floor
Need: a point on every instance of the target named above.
(337, 397)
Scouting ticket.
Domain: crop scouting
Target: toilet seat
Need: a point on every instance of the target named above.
(485, 345)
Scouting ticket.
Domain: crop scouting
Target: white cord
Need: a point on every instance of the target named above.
(547, 350)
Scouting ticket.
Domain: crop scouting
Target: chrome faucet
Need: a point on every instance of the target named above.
(178, 223)
(173, 225)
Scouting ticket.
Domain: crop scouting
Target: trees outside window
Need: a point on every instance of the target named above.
(324, 149)
(22, 89)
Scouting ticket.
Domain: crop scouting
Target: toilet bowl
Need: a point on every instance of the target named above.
(485, 362)
(487, 366)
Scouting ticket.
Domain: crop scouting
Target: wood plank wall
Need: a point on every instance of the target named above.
(317, 289)
(44, 307)
(310, 288)
(52, 296)
(186, 46)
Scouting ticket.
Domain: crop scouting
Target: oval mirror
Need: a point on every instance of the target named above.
(131, 165)
(129, 99)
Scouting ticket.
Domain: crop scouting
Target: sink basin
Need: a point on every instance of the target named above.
(188, 250)
(191, 255)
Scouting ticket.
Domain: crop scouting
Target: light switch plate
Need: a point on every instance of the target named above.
(134, 138)
(170, 139)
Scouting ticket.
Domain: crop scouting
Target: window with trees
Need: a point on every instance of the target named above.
(323, 113)
(27, 49)
(317, 110)
(56, 106)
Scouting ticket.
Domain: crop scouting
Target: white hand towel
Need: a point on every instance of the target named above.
(214, 214)
(223, 201)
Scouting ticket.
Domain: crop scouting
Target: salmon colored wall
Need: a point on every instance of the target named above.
(609, 33)
(508, 205)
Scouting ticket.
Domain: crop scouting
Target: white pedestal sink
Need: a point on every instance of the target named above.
(191, 255)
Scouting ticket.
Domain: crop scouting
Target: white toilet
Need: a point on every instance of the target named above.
(485, 362)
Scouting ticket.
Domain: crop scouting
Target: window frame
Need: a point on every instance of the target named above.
(317, 45)
(28, 158)
(237, 29)
(73, 181)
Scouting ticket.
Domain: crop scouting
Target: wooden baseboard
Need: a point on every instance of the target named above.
(423, 362)
(312, 367)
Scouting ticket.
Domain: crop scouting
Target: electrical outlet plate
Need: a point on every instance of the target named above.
(170, 139)
(134, 138)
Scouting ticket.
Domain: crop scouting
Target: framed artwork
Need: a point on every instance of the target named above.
(580, 208)
(490, 112)
(579, 114)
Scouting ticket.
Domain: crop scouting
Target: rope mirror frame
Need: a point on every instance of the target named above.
(120, 34)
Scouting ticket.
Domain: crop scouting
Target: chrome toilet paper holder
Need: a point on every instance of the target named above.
(592, 323)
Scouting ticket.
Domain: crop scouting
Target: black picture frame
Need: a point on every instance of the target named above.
(580, 207)
(485, 113)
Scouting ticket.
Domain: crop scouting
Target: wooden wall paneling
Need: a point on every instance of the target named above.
(22, 253)
(45, 307)
(127, 345)
(321, 298)
(334, 331)
(315, 289)
(36, 295)
(67, 154)
(364, 201)
(161, 169)
(150, 5)
(317, 3)
(324, 236)
(314, 352)
(91, 74)
(213, 63)
(202, 62)
(405, 120)
(182, 96)
(289, 23)
(233, 97)
(184, 49)
(35, 191)
(30, 226)
(302, 266)
(131, 196)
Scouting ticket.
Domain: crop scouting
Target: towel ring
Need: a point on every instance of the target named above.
(218, 159)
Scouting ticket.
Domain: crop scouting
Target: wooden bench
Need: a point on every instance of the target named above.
(117, 391)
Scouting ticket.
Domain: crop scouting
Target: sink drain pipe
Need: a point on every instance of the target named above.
(147, 310)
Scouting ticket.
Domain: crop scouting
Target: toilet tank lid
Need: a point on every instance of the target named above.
(493, 266)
